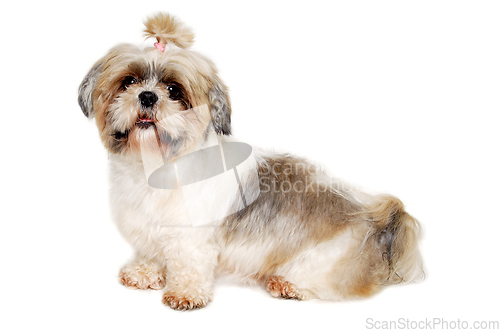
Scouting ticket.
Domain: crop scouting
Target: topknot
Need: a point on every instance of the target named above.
(166, 28)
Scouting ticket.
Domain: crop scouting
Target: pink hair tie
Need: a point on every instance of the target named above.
(160, 47)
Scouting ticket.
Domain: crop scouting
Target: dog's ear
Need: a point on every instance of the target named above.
(220, 107)
(87, 88)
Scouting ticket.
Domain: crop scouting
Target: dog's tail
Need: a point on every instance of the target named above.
(395, 234)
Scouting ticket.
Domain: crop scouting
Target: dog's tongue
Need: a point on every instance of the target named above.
(145, 120)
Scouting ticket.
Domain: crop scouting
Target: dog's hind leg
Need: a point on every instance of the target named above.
(278, 287)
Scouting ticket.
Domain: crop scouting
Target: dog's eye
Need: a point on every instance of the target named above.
(174, 92)
(129, 80)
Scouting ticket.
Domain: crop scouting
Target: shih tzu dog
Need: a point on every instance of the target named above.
(197, 205)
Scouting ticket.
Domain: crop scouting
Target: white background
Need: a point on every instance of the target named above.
(396, 96)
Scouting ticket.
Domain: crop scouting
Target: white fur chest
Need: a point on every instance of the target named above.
(148, 218)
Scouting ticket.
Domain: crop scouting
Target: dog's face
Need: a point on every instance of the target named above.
(146, 98)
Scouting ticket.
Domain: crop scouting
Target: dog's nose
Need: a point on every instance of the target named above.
(148, 98)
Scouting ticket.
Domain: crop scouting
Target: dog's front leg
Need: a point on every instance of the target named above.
(143, 273)
(191, 262)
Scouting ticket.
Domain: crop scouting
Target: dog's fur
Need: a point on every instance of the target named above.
(316, 241)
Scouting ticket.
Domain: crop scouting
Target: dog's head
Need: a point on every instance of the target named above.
(166, 94)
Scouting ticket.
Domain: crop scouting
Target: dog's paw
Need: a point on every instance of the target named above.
(277, 286)
(184, 302)
(142, 276)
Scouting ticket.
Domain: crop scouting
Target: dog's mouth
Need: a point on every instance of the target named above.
(144, 121)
